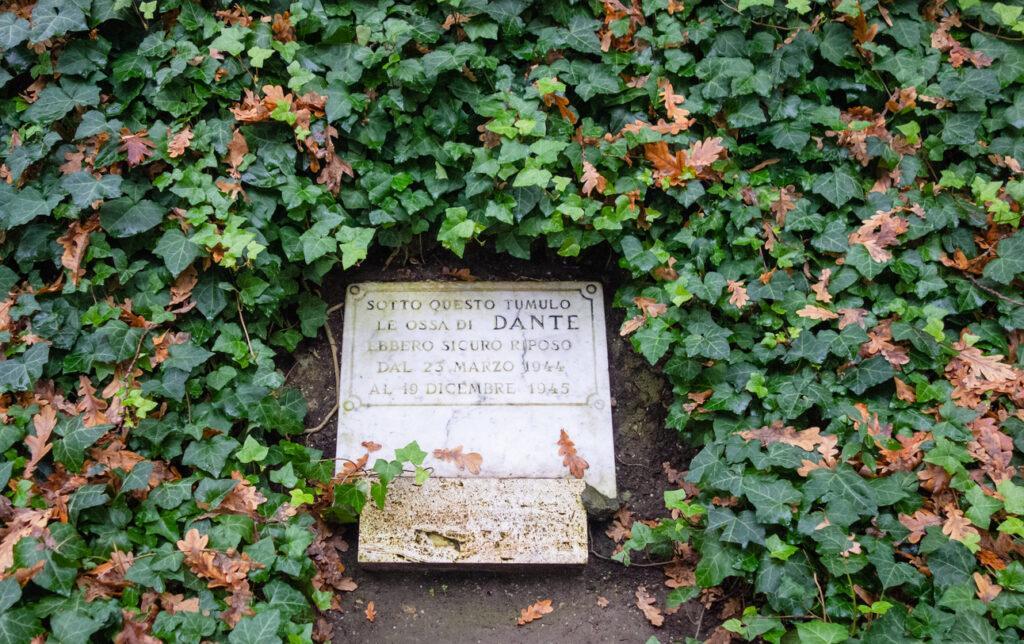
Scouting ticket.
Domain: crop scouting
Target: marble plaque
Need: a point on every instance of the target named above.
(496, 368)
(478, 523)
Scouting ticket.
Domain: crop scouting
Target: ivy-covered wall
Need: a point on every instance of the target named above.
(818, 201)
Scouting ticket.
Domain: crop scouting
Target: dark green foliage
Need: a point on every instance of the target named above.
(155, 276)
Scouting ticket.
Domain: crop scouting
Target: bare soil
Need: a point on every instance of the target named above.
(483, 607)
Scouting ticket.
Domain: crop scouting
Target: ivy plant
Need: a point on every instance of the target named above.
(818, 204)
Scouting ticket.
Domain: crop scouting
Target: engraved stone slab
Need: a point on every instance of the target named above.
(498, 368)
(476, 522)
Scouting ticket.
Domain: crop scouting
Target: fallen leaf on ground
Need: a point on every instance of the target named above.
(704, 153)
(672, 101)
(619, 530)
(534, 611)
(631, 325)
(323, 630)
(786, 202)
(602, 602)
(679, 575)
(917, 523)
(174, 603)
(75, 242)
(812, 312)
(453, 19)
(905, 392)
(325, 552)
(650, 307)
(458, 273)
(820, 288)
(181, 290)
(738, 294)
(227, 570)
(39, 443)
(880, 343)
(463, 460)
(179, 143)
(370, 612)
(237, 149)
(958, 54)
(851, 316)
(134, 631)
(137, 146)
(806, 439)
(647, 606)
(987, 591)
(957, 526)
(567, 449)
(878, 233)
(592, 179)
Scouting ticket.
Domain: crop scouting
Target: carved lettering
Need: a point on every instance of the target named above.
(478, 347)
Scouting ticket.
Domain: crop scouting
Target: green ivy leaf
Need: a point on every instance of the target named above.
(124, 217)
(741, 528)
(387, 470)
(13, 30)
(19, 373)
(19, 625)
(53, 18)
(25, 205)
(70, 450)
(210, 454)
(838, 186)
(354, 244)
(411, 453)
(177, 251)
(819, 632)
(653, 340)
(85, 188)
(871, 372)
(1009, 261)
(951, 564)
(260, 628)
(253, 452)
(707, 340)
(186, 357)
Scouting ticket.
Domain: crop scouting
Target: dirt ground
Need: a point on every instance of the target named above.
(483, 607)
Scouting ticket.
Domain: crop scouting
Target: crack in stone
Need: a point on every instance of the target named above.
(438, 540)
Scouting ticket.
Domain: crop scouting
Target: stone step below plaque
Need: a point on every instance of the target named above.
(478, 523)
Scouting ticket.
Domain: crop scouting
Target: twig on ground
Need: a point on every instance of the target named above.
(337, 379)
(392, 256)
(989, 33)
(138, 350)
(323, 423)
(992, 291)
(245, 330)
(821, 596)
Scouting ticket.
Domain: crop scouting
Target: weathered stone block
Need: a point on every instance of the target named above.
(478, 523)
